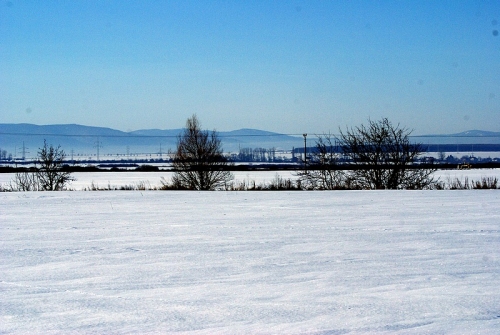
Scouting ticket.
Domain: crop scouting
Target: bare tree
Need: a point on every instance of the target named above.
(323, 172)
(199, 162)
(47, 175)
(24, 181)
(50, 173)
(384, 155)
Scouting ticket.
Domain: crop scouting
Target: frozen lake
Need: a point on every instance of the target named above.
(407, 262)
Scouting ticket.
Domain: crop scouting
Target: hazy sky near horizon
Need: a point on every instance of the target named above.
(284, 66)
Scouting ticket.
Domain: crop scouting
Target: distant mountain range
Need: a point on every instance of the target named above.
(86, 140)
(465, 137)
(469, 133)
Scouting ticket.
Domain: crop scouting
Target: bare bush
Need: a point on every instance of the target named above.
(138, 186)
(487, 183)
(458, 184)
(384, 155)
(24, 181)
(322, 172)
(277, 184)
(48, 175)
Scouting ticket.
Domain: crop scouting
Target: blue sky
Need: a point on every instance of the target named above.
(284, 66)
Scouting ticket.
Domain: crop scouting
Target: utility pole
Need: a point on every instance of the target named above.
(305, 149)
(24, 151)
(98, 146)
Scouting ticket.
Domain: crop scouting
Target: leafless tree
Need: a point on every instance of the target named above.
(50, 173)
(322, 171)
(384, 156)
(199, 162)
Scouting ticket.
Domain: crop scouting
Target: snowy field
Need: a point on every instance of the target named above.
(344, 262)
(153, 179)
(117, 179)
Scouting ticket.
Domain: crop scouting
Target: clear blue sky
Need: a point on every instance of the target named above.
(284, 66)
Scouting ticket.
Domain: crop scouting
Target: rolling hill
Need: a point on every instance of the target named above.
(86, 140)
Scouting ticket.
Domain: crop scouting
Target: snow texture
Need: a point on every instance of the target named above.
(345, 262)
(103, 180)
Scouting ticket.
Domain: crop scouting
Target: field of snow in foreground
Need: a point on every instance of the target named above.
(408, 262)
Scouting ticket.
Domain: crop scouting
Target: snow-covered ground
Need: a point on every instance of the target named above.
(153, 179)
(113, 180)
(407, 262)
(473, 174)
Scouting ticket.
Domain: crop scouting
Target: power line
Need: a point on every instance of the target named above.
(139, 136)
(299, 136)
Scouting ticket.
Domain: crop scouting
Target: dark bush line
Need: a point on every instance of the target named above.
(281, 184)
(259, 167)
